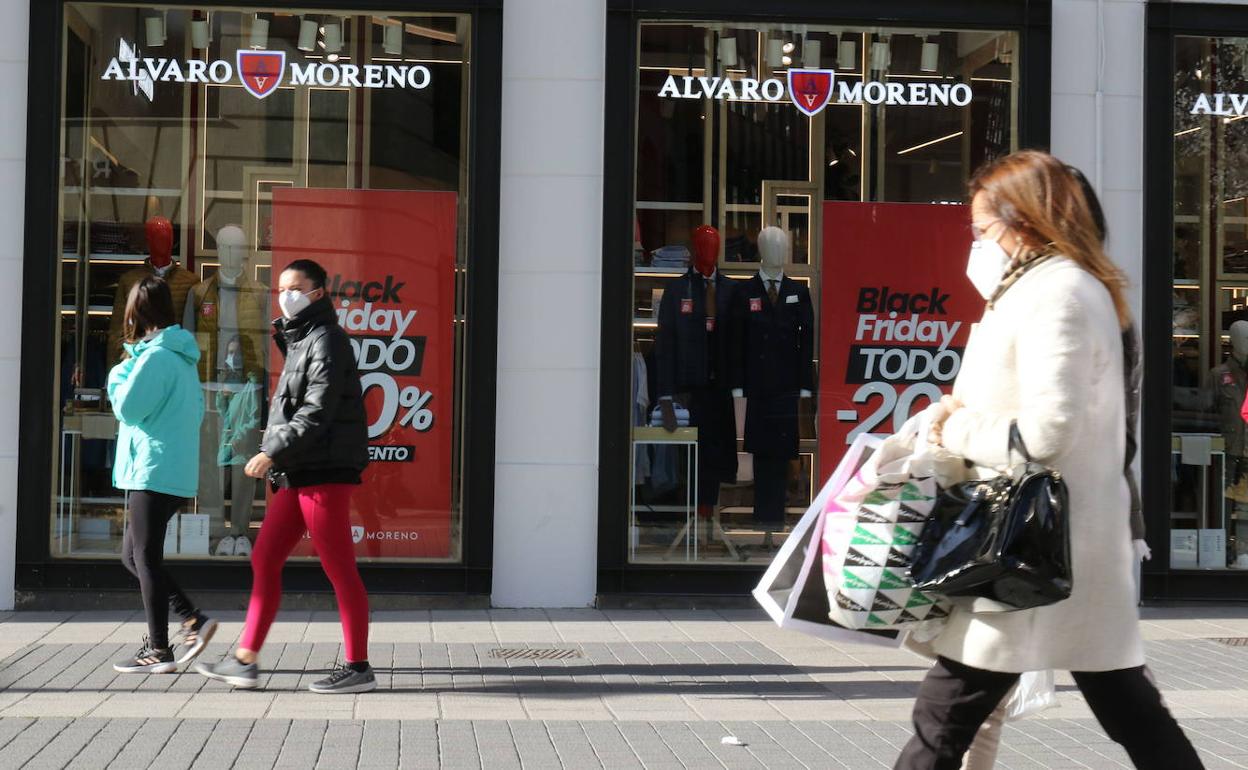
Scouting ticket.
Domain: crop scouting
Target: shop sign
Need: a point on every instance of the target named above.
(390, 260)
(262, 72)
(1227, 105)
(892, 331)
(812, 89)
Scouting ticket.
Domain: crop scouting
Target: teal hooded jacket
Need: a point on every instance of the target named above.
(156, 396)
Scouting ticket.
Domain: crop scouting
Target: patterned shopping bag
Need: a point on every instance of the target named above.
(870, 530)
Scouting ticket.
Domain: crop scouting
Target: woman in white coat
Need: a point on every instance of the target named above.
(1047, 355)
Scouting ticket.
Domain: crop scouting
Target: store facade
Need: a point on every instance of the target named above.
(764, 299)
(1197, 332)
(210, 144)
(514, 234)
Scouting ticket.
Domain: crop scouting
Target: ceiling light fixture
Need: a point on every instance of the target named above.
(333, 36)
(259, 37)
(154, 27)
(728, 50)
(881, 56)
(201, 31)
(929, 61)
(812, 52)
(847, 53)
(392, 37)
(307, 34)
(775, 51)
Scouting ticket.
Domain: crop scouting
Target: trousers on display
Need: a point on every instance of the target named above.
(711, 412)
(216, 480)
(771, 476)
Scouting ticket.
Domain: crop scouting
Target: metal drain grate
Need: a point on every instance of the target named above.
(534, 653)
(1232, 641)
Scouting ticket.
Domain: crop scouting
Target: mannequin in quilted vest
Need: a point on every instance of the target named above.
(228, 313)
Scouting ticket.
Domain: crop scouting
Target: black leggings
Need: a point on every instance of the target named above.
(143, 553)
(954, 700)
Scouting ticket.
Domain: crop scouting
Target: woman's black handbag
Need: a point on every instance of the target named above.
(1006, 538)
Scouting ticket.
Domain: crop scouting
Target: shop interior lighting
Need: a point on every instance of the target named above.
(201, 32)
(392, 37)
(259, 37)
(917, 147)
(788, 47)
(847, 53)
(308, 31)
(154, 29)
(786, 60)
(775, 53)
(930, 59)
(332, 32)
(812, 52)
(881, 56)
(728, 50)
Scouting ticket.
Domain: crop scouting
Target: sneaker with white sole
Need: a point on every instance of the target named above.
(148, 660)
(345, 679)
(225, 547)
(232, 671)
(242, 546)
(194, 638)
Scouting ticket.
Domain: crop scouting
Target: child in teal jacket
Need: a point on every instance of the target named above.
(156, 396)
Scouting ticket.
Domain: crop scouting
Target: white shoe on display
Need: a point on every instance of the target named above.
(242, 546)
(225, 547)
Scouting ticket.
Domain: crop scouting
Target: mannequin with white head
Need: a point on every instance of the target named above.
(232, 249)
(776, 316)
(228, 312)
(774, 248)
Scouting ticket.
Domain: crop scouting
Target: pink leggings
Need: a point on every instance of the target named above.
(323, 511)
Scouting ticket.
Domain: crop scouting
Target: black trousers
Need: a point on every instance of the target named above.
(771, 476)
(143, 553)
(954, 700)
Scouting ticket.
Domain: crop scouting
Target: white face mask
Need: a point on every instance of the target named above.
(986, 266)
(231, 361)
(292, 302)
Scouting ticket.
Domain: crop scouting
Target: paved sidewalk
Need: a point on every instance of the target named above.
(539, 689)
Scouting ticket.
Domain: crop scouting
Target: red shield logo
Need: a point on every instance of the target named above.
(261, 71)
(811, 90)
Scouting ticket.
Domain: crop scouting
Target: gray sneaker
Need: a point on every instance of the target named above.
(232, 671)
(344, 679)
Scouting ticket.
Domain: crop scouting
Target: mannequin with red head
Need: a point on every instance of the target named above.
(159, 241)
(705, 250)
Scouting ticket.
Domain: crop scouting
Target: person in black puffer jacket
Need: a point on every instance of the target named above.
(314, 449)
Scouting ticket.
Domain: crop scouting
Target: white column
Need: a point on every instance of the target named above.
(546, 489)
(14, 22)
(1089, 35)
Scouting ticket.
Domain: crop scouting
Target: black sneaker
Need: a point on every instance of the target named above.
(232, 671)
(148, 661)
(194, 638)
(345, 679)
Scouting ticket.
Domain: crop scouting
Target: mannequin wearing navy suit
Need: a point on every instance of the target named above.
(698, 362)
(778, 342)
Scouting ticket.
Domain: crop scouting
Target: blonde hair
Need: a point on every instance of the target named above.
(1044, 203)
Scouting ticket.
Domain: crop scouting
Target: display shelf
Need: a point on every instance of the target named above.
(137, 192)
(105, 258)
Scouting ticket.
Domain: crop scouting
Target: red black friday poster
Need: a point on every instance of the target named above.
(390, 257)
(895, 315)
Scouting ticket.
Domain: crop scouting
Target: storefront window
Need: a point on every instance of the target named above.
(832, 161)
(213, 146)
(1209, 443)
